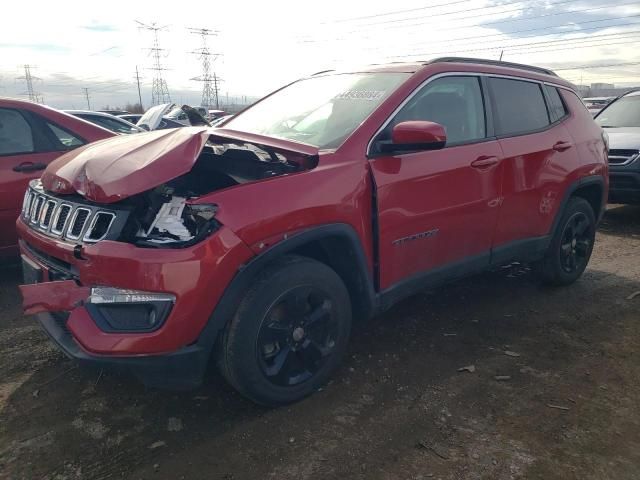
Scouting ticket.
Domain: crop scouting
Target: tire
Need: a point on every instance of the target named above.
(289, 333)
(571, 246)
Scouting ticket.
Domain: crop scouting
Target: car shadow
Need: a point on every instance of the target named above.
(621, 220)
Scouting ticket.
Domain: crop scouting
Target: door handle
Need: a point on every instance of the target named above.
(484, 162)
(561, 146)
(29, 167)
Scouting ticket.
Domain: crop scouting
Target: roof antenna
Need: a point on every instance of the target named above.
(501, 52)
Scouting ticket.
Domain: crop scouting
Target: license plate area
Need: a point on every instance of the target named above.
(31, 271)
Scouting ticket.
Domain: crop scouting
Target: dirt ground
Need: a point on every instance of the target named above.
(552, 392)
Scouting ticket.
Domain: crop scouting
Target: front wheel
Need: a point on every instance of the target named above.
(289, 332)
(571, 245)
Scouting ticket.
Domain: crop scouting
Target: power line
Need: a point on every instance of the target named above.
(517, 47)
(589, 67)
(509, 20)
(209, 80)
(394, 12)
(159, 89)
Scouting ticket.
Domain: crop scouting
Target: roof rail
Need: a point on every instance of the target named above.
(498, 63)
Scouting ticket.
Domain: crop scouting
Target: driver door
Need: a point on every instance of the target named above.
(438, 209)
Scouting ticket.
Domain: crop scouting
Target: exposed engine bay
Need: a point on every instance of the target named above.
(163, 216)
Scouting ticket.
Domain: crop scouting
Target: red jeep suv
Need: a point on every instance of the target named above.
(332, 198)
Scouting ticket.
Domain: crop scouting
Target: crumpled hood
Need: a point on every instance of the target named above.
(624, 138)
(116, 168)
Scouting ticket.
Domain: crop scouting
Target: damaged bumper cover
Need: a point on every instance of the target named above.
(189, 282)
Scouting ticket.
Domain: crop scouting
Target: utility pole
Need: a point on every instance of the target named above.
(159, 89)
(86, 95)
(34, 96)
(139, 94)
(209, 78)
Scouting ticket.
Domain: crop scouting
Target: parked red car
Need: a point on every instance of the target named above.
(31, 136)
(331, 199)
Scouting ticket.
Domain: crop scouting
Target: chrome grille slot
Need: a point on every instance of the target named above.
(36, 207)
(99, 226)
(60, 219)
(78, 222)
(47, 213)
(622, 156)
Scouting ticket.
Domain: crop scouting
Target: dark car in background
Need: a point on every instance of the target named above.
(31, 136)
(621, 120)
(106, 120)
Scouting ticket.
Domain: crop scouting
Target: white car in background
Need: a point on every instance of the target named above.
(595, 104)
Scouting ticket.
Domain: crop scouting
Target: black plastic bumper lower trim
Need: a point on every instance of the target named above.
(180, 370)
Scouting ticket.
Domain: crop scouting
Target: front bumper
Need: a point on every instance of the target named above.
(624, 186)
(196, 276)
(180, 370)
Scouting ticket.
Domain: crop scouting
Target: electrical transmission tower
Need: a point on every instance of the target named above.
(34, 96)
(159, 89)
(210, 81)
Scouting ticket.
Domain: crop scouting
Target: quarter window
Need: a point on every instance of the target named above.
(67, 140)
(557, 110)
(520, 106)
(453, 102)
(16, 135)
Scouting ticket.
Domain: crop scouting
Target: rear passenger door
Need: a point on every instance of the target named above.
(437, 210)
(538, 153)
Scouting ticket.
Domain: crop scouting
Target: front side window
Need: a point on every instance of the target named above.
(16, 136)
(520, 106)
(624, 112)
(453, 102)
(322, 110)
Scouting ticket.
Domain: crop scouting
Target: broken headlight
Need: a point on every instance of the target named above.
(178, 224)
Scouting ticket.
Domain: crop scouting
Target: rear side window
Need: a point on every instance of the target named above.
(557, 110)
(520, 106)
(16, 135)
(67, 140)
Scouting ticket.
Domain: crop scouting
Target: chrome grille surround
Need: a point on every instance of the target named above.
(70, 220)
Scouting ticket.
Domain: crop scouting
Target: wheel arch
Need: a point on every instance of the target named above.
(592, 189)
(336, 245)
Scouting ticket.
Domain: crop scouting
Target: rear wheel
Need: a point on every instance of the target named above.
(571, 246)
(289, 333)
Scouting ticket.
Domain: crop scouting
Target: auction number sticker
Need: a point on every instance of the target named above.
(368, 95)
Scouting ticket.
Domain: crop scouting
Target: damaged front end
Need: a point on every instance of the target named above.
(150, 192)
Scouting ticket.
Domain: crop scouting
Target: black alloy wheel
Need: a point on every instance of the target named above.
(289, 333)
(297, 336)
(576, 244)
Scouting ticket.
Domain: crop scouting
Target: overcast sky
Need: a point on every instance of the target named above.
(98, 45)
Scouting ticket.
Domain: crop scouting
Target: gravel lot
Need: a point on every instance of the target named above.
(552, 390)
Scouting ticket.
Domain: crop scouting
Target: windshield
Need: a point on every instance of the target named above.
(624, 112)
(320, 111)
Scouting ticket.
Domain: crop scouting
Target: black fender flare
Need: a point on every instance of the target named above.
(233, 294)
(571, 189)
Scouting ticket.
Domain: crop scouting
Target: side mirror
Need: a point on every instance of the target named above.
(416, 135)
